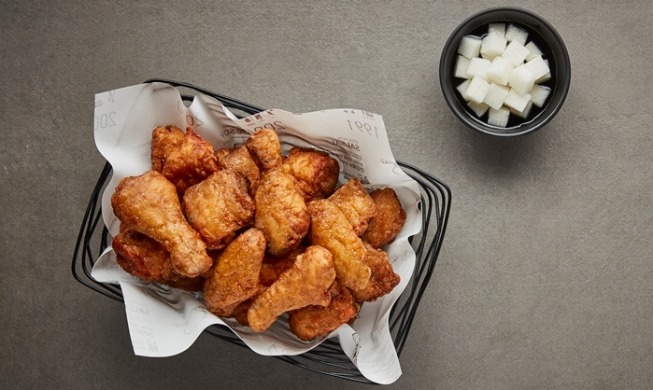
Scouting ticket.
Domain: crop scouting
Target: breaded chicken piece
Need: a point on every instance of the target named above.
(313, 321)
(331, 229)
(357, 205)
(240, 160)
(165, 140)
(315, 171)
(281, 212)
(388, 220)
(145, 258)
(235, 276)
(150, 205)
(189, 163)
(265, 148)
(305, 283)
(219, 207)
(383, 278)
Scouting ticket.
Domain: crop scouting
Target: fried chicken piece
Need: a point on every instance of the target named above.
(149, 204)
(315, 171)
(331, 229)
(235, 276)
(388, 220)
(265, 148)
(185, 164)
(383, 278)
(305, 283)
(281, 212)
(357, 205)
(313, 321)
(239, 160)
(165, 140)
(219, 207)
(145, 258)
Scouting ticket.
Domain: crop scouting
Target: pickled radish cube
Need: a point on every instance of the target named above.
(525, 113)
(477, 89)
(514, 33)
(546, 77)
(498, 117)
(521, 79)
(493, 44)
(497, 27)
(538, 66)
(462, 63)
(499, 70)
(517, 100)
(462, 88)
(539, 93)
(533, 50)
(469, 46)
(477, 67)
(515, 52)
(479, 109)
(495, 96)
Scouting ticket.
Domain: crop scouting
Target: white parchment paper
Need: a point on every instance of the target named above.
(164, 321)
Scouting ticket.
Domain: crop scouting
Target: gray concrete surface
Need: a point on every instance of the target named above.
(545, 277)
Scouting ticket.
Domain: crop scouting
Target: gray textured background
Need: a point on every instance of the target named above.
(545, 277)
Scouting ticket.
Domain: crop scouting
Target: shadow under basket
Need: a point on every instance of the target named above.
(327, 358)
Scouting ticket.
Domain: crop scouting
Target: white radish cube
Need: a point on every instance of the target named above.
(499, 70)
(462, 88)
(477, 89)
(493, 44)
(479, 109)
(469, 46)
(546, 77)
(477, 67)
(521, 79)
(523, 114)
(462, 63)
(497, 27)
(495, 95)
(533, 50)
(538, 66)
(514, 33)
(498, 117)
(539, 93)
(517, 100)
(515, 52)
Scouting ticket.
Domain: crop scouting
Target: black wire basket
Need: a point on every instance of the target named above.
(327, 358)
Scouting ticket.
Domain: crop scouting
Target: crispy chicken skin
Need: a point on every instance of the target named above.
(315, 321)
(305, 283)
(235, 276)
(219, 207)
(150, 205)
(331, 229)
(281, 212)
(383, 278)
(239, 160)
(186, 163)
(388, 220)
(357, 205)
(148, 260)
(265, 148)
(315, 172)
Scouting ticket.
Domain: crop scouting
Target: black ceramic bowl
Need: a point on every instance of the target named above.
(544, 36)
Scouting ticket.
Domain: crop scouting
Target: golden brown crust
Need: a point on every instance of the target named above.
(383, 278)
(240, 160)
(388, 219)
(265, 148)
(355, 203)
(315, 172)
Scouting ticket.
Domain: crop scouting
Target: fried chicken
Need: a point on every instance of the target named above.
(219, 207)
(388, 220)
(265, 148)
(331, 229)
(355, 203)
(305, 283)
(315, 172)
(281, 212)
(149, 204)
(235, 276)
(165, 140)
(240, 160)
(383, 278)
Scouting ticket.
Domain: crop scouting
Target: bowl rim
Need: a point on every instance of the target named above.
(562, 84)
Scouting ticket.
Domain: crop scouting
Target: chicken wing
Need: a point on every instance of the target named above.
(239, 160)
(331, 229)
(305, 283)
(219, 207)
(281, 212)
(357, 205)
(165, 140)
(388, 219)
(235, 276)
(315, 171)
(383, 278)
(265, 147)
(149, 204)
